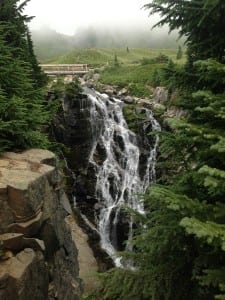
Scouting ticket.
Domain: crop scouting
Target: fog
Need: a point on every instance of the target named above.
(68, 16)
(48, 43)
(59, 26)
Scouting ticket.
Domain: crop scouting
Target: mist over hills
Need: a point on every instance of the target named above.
(49, 44)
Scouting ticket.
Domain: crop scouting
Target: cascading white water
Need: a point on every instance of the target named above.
(118, 180)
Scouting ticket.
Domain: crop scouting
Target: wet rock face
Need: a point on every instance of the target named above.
(112, 164)
(38, 258)
(73, 127)
(76, 127)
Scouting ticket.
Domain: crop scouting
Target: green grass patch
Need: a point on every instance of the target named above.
(139, 90)
(101, 57)
(125, 74)
(137, 78)
(91, 57)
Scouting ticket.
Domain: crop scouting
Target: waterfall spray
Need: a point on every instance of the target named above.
(118, 180)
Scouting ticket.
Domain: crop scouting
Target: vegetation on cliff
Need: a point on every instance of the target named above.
(22, 112)
(180, 250)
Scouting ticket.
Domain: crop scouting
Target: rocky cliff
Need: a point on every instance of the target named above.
(111, 164)
(38, 258)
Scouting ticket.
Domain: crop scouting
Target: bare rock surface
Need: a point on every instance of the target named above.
(38, 258)
(87, 262)
(24, 276)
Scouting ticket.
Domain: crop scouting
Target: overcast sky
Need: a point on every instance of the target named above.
(66, 16)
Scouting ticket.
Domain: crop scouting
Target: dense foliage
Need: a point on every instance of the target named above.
(22, 111)
(180, 247)
(200, 21)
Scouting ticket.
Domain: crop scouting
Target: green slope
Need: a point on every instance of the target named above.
(99, 57)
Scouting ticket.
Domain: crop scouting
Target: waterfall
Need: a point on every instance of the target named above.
(119, 180)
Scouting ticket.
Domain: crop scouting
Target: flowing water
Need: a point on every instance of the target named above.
(119, 180)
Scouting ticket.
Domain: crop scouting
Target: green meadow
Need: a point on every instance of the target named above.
(100, 57)
(134, 68)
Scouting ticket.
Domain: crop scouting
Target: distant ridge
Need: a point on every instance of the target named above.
(49, 44)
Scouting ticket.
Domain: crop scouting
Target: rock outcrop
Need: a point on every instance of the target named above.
(38, 258)
(161, 102)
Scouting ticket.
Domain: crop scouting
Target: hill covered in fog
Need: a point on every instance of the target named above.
(49, 44)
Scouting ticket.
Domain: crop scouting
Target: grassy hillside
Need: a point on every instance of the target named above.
(50, 44)
(100, 57)
(134, 69)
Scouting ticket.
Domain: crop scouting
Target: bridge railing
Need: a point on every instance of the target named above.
(64, 68)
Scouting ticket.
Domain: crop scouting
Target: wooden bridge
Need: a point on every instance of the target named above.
(64, 69)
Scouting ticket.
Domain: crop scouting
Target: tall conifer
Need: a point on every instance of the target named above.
(22, 115)
(180, 247)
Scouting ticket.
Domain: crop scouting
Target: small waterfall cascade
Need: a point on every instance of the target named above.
(123, 169)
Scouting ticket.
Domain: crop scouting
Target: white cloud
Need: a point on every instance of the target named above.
(68, 15)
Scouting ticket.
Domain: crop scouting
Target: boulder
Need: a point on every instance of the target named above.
(160, 95)
(158, 107)
(145, 103)
(24, 276)
(109, 91)
(174, 112)
(129, 100)
(96, 77)
(37, 252)
(123, 92)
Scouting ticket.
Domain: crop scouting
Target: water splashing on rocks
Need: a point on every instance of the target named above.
(123, 168)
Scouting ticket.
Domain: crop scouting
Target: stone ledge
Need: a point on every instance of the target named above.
(23, 179)
(16, 242)
(39, 156)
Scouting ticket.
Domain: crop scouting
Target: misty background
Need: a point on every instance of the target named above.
(48, 43)
(59, 27)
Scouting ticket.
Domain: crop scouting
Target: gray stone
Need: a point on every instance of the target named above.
(160, 94)
(129, 100)
(96, 77)
(24, 276)
(158, 106)
(33, 207)
(123, 92)
(145, 103)
(109, 92)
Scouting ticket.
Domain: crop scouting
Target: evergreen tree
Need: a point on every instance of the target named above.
(200, 21)
(38, 76)
(116, 62)
(17, 35)
(155, 80)
(180, 249)
(197, 144)
(179, 53)
(22, 114)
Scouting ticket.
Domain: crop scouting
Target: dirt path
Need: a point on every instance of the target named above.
(87, 261)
